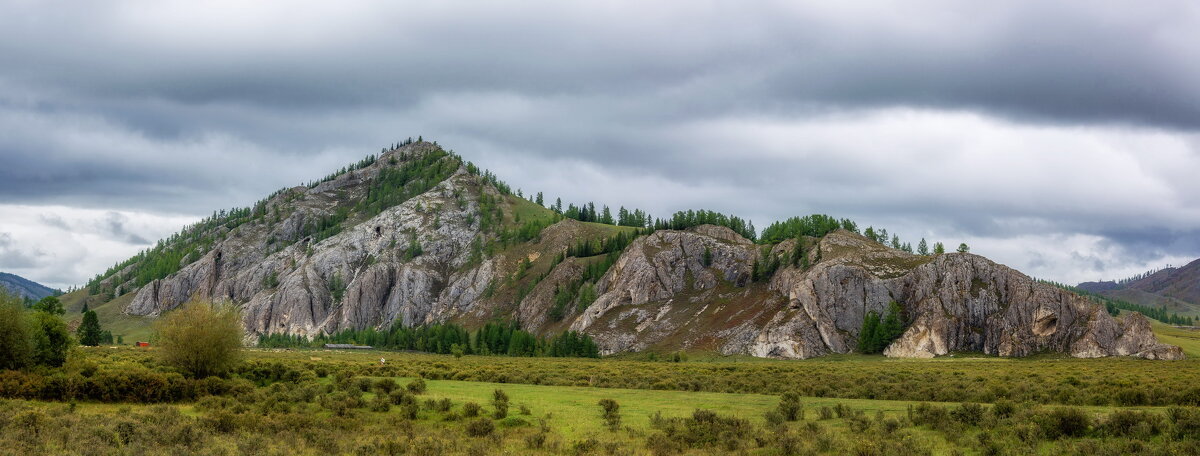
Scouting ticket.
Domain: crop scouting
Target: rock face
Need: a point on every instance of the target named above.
(368, 266)
(952, 302)
(462, 251)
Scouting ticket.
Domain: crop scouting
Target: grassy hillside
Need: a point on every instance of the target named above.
(112, 319)
(1187, 339)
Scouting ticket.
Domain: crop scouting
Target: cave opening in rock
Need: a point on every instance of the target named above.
(1046, 325)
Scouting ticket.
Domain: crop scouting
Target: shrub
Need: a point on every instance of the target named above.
(826, 413)
(773, 417)
(480, 427)
(385, 385)
(968, 413)
(470, 410)
(1065, 422)
(1185, 422)
(790, 406)
(381, 404)
(535, 441)
(201, 338)
(1003, 408)
(1132, 423)
(417, 386)
(500, 403)
(611, 413)
(401, 397)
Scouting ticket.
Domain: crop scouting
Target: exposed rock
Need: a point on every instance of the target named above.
(689, 289)
(953, 302)
(366, 264)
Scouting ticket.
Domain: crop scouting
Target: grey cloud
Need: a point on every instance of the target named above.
(12, 257)
(53, 220)
(768, 110)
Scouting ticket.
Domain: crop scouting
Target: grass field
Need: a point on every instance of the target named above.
(335, 402)
(1186, 339)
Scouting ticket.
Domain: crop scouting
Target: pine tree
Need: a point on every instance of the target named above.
(868, 337)
(939, 248)
(964, 248)
(539, 200)
(922, 247)
(89, 331)
(707, 257)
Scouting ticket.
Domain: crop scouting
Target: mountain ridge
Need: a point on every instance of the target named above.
(1175, 289)
(25, 288)
(417, 236)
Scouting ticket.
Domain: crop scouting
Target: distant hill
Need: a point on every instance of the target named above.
(1176, 289)
(25, 288)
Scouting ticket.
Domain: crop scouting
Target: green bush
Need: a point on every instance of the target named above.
(790, 406)
(417, 386)
(480, 427)
(201, 338)
(1064, 422)
(470, 410)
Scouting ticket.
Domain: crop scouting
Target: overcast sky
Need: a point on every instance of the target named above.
(1059, 138)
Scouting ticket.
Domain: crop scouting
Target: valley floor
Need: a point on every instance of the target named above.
(346, 402)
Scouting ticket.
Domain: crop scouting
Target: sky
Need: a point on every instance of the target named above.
(1059, 138)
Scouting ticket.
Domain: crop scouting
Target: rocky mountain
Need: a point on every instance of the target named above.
(1176, 289)
(25, 288)
(417, 236)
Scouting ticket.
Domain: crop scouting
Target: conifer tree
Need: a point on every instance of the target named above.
(939, 248)
(89, 331)
(922, 247)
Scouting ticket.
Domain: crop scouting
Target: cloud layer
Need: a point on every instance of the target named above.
(1060, 138)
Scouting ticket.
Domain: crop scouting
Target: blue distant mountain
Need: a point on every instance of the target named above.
(25, 288)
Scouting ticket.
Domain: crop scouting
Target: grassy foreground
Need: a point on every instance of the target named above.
(120, 401)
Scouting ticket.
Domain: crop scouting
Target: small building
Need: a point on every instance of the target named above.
(348, 347)
(141, 344)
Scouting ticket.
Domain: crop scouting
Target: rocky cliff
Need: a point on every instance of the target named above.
(952, 302)
(418, 236)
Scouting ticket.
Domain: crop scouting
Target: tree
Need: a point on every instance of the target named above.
(51, 340)
(538, 199)
(50, 305)
(89, 331)
(868, 337)
(939, 248)
(85, 309)
(606, 216)
(964, 248)
(879, 332)
(16, 348)
(923, 247)
(558, 205)
(707, 259)
(201, 338)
